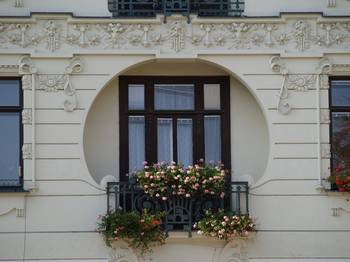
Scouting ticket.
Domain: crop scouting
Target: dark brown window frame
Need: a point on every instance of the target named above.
(150, 115)
(332, 109)
(16, 109)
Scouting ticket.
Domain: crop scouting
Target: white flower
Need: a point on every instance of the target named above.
(199, 232)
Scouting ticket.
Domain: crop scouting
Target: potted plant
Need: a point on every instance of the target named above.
(340, 177)
(162, 180)
(225, 226)
(139, 230)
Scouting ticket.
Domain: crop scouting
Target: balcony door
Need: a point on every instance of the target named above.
(180, 119)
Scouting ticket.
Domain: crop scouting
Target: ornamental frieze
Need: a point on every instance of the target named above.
(293, 34)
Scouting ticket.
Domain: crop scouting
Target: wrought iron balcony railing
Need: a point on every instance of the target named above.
(180, 212)
(149, 8)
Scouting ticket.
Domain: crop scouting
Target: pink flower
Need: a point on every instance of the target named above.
(144, 163)
(206, 191)
(222, 194)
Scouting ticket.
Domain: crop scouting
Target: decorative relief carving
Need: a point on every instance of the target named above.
(299, 82)
(26, 82)
(277, 66)
(8, 68)
(52, 83)
(75, 66)
(27, 151)
(27, 116)
(290, 35)
(52, 36)
(82, 37)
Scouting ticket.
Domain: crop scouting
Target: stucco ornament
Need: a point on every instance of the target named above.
(235, 250)
(121, 252)
(287, 35)
(52, 83)
(277, 66)
(82, 36)
(27, 116)
(27, 151)
(75, 66)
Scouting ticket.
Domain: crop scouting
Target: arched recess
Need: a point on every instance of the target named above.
(249, 130)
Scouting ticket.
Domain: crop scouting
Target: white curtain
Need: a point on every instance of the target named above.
(165, 139)
(184, 142)
(136, 97)
(212, 138)
(174, 97)
(136, 142)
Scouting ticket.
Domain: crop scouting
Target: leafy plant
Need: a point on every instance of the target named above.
(139, 230)
(224, 226)
(162, 180)
(341, 178)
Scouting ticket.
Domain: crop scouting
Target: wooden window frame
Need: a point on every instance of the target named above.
(150, 115)
(15, 109)
(332, 109)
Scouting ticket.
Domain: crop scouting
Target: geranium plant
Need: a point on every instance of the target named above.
(139, 230)
(340, 177)
(225, 226)
(163, 180)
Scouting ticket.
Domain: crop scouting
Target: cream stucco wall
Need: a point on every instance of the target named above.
(55, 220)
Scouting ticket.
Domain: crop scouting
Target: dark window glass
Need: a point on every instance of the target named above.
(179, 119)
(10, 133)
(340, 93)
(10, 148)
(9, 93)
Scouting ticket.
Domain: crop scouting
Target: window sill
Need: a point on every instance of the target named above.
(13, 190)
(336, 193)
(182, 238)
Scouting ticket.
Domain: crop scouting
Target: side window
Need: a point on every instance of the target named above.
(10, 133)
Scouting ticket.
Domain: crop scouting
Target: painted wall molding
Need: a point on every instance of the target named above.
(63, 34)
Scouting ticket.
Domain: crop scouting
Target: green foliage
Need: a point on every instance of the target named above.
(225, 226)
(138, 230)
(341, 178)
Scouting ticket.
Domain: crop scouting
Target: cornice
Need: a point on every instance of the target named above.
(57, 34)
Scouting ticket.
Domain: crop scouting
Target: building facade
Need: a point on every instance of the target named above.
(266, 87)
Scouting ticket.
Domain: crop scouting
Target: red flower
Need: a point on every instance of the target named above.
(341, 189)
(155, 222)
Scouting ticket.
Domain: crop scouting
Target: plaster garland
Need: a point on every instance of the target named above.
(288, 35)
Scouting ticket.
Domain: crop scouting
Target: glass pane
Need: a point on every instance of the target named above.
(341, 138)
(165, 139)
(136, 142)
(174, 97)
(211, 96)
(9, 92)
(212, 138)
(9, 149)
(184, 142)
(340, 92)
(136, 97)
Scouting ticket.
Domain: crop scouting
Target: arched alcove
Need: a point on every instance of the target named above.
(249, 131)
